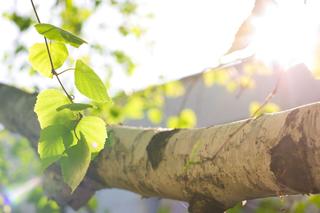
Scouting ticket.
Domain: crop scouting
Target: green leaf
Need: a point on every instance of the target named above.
(94, 130)
(52, 143)
(57, 34)
(89, 83)
(39, 58)
(75, 164)
(74, 107)
(22, 22)
(47, 103)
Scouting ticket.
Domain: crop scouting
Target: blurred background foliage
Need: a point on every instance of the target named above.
(19, 163)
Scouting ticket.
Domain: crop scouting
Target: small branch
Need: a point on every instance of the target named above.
(199, 75)
(187, 94)
(72, 68)
(35, 11)
(50, 57)
(64, 89)
(253, 116)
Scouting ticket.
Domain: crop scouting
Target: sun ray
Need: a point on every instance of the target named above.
(287, 33)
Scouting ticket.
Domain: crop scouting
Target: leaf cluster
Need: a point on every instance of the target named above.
(67, 136)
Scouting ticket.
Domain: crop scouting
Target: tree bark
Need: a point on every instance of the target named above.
(212, 168)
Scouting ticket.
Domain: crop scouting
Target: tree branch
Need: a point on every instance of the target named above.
(273, 154)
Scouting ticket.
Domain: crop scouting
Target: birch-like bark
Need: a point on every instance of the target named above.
(212, 168)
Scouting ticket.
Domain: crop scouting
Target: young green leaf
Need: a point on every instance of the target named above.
(47, 103)
(74, 107)
(89, 83)
(94, 130)
(52, 143)
(57, 34)
(75, 164)
(38, 57)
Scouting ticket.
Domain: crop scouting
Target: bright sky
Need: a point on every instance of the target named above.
(188, 36)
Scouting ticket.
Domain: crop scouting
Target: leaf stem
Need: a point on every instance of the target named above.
(72, 68)
(35, 11)
(50, 57)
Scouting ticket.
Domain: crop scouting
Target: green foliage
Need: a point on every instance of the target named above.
(93, 204)
(22, 22)
(220, 77)
(134, 108)
(53, 141)
(46, 108)
(94, 130)
(89, 83)
(74, 107)
(128, 7)
(125, 60)
(62, 121)
(18, 165)
(315, 199)
(164, 210)
(76, 162)
(257, 109)
(174, 89)
(42, 203)
(246, 82)
(73, 16)
(125, 30)
(186, 119)
(38, 57)
(310, 204)
(18, 161)
(155, 115)
(300, 207)
(236, 209)
(56, 34)
(270, 205)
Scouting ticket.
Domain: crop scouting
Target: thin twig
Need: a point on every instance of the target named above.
(198, 75)
(35, 11)
(187, 94)
(64, 89)
(253, 116)
(50, 57)
(72, 68)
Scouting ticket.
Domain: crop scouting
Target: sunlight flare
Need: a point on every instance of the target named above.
(287, 33)
(18, 193)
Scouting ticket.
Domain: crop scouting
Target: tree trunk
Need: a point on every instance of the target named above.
(212, 168)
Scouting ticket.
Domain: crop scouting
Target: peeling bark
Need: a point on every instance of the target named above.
(275, 154)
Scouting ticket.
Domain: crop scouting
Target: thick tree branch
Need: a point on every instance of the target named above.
(272, 155)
